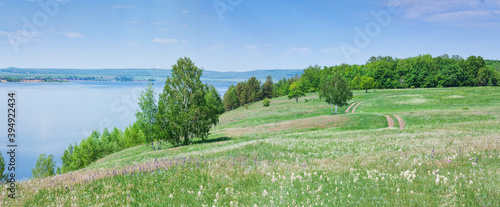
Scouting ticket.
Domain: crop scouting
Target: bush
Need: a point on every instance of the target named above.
(306, 100)
(412, 87)
(266, 102)
(246, 106)
(465, 108)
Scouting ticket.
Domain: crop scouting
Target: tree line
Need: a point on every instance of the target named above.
(423, 71)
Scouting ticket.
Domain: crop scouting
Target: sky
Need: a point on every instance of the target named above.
(241, 35)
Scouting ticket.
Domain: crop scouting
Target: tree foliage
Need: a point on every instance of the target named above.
(295, 91)
(3, 175)
(44, 166)
(366, 83)
(146, 116)
(183, 113)
(335, 89)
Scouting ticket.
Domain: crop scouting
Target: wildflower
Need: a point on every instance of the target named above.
(449, 161)
(397, 190)
(171, 196)
(264, 193)
(349, 195)
(199, 193)
(411, 192)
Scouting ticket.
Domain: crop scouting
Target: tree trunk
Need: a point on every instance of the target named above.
(297, 99)
(153, 144)
(335, 108)
(186, 141)
(152, 141)
(366, 90)
(331, 108)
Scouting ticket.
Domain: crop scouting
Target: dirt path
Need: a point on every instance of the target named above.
(347, 111)
(389, 121)
(354, 109)
(401, 122)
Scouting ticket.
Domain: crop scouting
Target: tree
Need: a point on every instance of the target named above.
(335, 89)
(356, 82)
(267, 88)
(230, 99)
(147, 114)
(295, 91)
(183, 113)
(3, 175)
(44, 166)
(133, 135)
(254, 92)
(66, 160)
(310, 78)
(366, 83)
(213, 99)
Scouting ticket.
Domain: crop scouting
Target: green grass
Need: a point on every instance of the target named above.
(294, 154)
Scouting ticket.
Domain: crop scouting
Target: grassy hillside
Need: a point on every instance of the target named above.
(297, 154)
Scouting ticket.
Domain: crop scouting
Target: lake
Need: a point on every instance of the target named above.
(50, 116)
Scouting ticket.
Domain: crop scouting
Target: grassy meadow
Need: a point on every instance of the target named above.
(296, 154)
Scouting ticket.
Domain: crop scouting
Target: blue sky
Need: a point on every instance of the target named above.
(240, 35)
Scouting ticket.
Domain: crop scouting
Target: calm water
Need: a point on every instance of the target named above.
(50, 116)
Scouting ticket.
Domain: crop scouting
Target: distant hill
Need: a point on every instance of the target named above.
(259, 74)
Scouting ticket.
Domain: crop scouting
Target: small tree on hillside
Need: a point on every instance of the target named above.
(45, 166)
(295, 91)
(183, 113)
(147, 114)
(335, 89)
(366, 83)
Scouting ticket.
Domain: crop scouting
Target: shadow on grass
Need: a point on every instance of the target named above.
(220, 139)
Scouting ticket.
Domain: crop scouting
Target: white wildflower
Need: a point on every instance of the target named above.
(264, 193)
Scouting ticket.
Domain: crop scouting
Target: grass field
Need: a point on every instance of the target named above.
(296, 154)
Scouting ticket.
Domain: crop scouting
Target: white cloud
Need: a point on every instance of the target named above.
(165, 40)
(69, 34)
(451, 11)
(2, 33)
(300, 51)
(251, 47)
(74, 35)
(215, 48)
(184, 11)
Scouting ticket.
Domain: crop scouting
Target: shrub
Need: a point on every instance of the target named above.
(266, 102)
(246, 106)
(306, 100)
(465, 108)
(412, 87)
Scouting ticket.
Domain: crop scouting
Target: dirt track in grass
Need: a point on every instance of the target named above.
(354, 109)
(347, 111)
(401, 122)
(389, 121)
